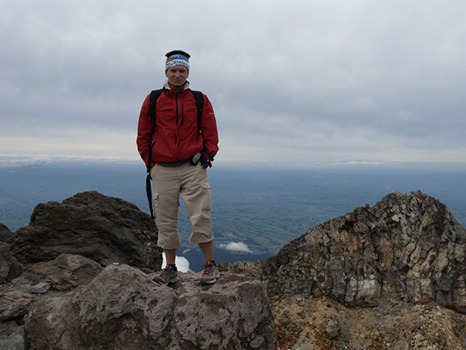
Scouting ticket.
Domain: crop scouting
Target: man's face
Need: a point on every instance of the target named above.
(177, 75)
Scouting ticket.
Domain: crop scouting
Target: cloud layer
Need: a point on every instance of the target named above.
(298, 82)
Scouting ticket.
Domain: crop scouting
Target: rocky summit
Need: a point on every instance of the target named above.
(390, 276)
(80, 276)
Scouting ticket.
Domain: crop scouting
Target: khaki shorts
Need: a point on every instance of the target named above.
(192, 183)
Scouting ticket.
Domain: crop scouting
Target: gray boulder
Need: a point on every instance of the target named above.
(105, 229)
(122, 308)
(63, 273)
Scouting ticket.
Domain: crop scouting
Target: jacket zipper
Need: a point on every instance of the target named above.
(176, 112)
(182, 114)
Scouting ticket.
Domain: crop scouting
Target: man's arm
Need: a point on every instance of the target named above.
(209, 129)
(145, 129)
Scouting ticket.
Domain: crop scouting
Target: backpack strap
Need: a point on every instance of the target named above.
(154, 95)
(199, 98)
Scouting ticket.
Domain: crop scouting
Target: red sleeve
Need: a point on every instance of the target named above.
(145, 130)
(209, 127)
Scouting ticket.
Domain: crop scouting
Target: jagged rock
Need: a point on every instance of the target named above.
(6, 235)
(122, 308)
(407, 247)
(10, 328)
(9, 266)
(12, 342)
(404, 258)
(101, 228)
(65, 272)
(12, 336)
(14, 305)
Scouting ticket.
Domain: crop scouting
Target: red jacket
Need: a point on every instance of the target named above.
(177, 136)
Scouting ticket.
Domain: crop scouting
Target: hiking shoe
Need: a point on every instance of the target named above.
(169, 275)
(210, 274)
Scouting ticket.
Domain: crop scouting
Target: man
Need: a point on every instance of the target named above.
(178, 150)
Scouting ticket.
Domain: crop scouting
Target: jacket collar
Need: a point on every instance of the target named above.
(167, 86)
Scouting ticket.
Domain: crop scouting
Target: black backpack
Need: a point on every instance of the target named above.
(154, 95)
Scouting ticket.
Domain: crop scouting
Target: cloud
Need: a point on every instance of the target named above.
(319, 80)
(182, 264)
(236, 247)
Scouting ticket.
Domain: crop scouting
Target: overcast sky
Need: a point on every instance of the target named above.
(296, 82)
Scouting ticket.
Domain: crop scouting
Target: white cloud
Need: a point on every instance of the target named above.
(236, 247)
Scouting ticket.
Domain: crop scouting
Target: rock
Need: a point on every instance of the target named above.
(304, 324)
(383, 274)
(407, 247)
(14, 305)
(6, 235)
(9, 328)
(105, 229)
(122, 308)
(65, 272)
(250, 268)
(12, 342)
(9, 266)
(333, 328)
(40, 288)
(12, 337)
